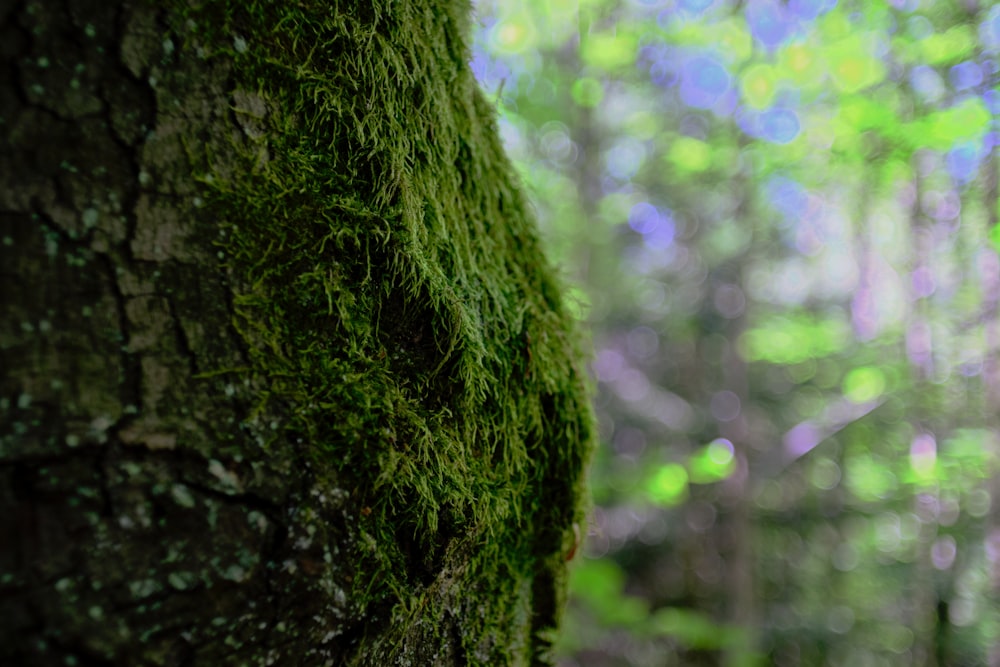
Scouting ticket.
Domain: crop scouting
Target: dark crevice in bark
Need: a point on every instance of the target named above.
(180, 336)
(77, 654)
(101, 470)
(248, 500)
(131, 384)
(42, 460)
(459, 658)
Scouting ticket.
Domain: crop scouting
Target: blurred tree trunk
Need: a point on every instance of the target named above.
(925, 622)
(732, 409)
(989, 268)
(286, 379)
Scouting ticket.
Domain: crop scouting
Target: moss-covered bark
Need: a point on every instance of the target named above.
(286, 378)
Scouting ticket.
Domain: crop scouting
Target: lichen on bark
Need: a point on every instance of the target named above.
(288, 379)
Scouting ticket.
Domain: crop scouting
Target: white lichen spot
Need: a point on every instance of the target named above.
(144, 178)
(126, 522)
(235, 573)
(230, 390)
(43, 62)
(178, 581)
(89, 217)
(182, 496)
(95, 613)
(24, 401)
(198, 202)
(152, 81)
(168, 46)
(44, 326)
(255, 518)
(99, 428)
(225, 476)
(64, 584)
(220, 254)
(72, 440)
(143, 587)
(239, 44)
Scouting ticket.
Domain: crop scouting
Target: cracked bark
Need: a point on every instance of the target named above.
(111, 307)
(140, 521)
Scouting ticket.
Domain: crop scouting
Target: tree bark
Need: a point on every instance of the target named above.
(286, 378)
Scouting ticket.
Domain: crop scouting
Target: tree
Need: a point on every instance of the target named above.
(287, 379)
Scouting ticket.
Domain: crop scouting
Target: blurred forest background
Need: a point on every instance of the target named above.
(781, 221)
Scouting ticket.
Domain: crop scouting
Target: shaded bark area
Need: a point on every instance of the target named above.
(164, 500)
(137, 529)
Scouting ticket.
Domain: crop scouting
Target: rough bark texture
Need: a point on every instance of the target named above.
(286, 379)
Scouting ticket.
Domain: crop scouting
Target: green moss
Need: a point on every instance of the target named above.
(402, 320)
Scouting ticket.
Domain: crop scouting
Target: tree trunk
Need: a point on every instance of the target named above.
(286, 379)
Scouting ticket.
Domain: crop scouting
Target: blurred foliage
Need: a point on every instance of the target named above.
(781, 221)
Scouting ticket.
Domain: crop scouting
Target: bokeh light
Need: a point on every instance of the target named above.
(779, 217)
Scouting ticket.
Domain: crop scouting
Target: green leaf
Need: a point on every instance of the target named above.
(599, 584)
(794, 338)
(799, 62)
(693, 629)
(943, 129)
(853, 65)
(869, 479)
(994, 236)
(668, 486)
(608, 50)
(948, 47)
(587, 92)
(864, 384)
(690, 154)
(862, 113)
(515, 34)
(759, 84)
(712, 463)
